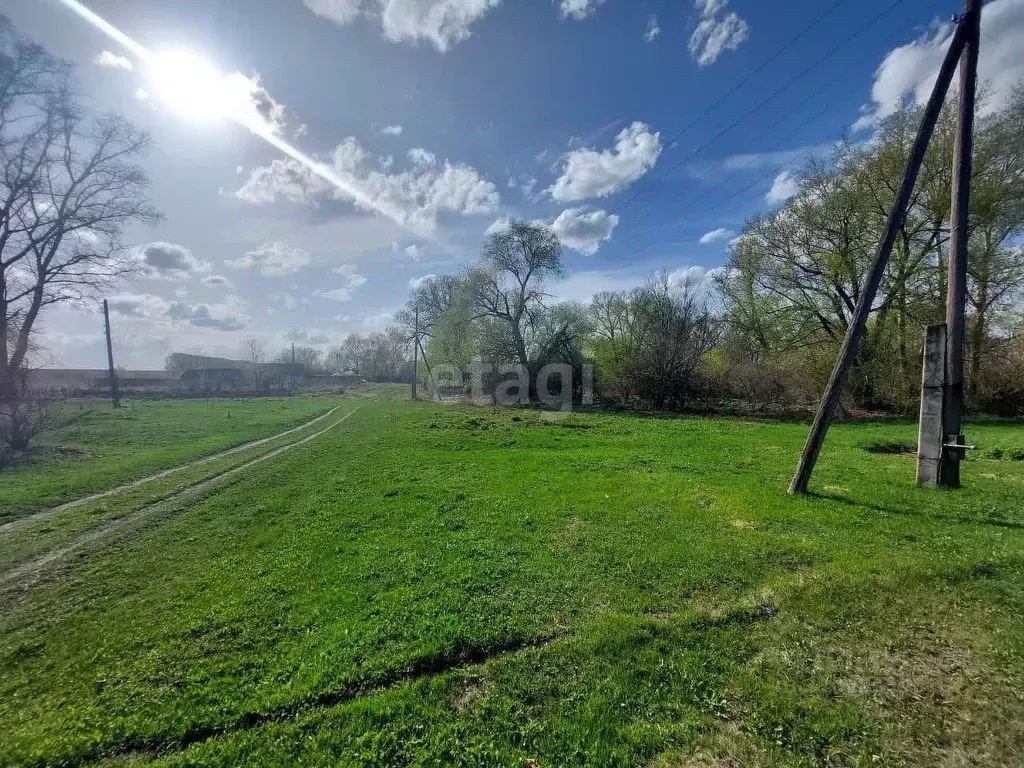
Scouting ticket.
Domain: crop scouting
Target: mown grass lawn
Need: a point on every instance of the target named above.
(93, 446)
(447, 585)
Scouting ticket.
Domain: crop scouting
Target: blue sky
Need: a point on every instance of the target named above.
(441, 117)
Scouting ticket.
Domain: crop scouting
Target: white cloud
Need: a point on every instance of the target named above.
(216, 281)
(227, 316)
(688, 277)
(412, 198)
(251, 104)
(272, 259)
(338, 11)
(283, 179)
(422, 158)
(309, 336)
(757, 160)
(351, 280)
(440, 22)
(416, 282)
(525, 184)
(527, 187)
(168, 261)
(143, 305)
(653, 29)
(497, 225)
(717, 236)
(141, 94)
(584, 230)
(235, 95)
(109, 60)
(592, 173)
(716, 32)
(392, 130)
(785, 186)
(577, 9)
(414, 252)
(910, 70)
(221, 317)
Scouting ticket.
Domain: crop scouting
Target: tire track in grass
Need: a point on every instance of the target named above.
(463, 656)
(21, 522)
(34, 567)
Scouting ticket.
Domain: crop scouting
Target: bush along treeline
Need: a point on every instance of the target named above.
(764, 329)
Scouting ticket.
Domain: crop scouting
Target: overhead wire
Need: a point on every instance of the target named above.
(764, 102)
(774, 171)
(721, 99)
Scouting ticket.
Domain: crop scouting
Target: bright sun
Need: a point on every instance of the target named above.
(189, 85)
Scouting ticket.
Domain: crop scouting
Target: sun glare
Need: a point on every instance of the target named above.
(194, 88)
(189, 85)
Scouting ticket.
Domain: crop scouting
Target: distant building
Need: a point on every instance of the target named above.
(214, 380)
(84, 381)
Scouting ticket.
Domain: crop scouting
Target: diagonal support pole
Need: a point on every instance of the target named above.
(848, 351)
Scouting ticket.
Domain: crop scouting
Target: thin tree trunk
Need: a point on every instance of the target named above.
(978, 332)
(17, 357)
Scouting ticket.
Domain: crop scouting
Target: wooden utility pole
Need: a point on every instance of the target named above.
(415, 351)
(293, 366)
(848, 351)
(956, 279)
(115, 393)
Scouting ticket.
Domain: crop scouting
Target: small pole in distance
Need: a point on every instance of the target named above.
(115, 392)
(415, 351)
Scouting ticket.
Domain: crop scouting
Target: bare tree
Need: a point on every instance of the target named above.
(670, 330)
(68, 187)
(308, 360)
(353, 353)
(256, 357)
(509, 286)
(334, 360)
(430, 301)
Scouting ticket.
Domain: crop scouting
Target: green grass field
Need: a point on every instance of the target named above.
(438, 585)
(93, 446)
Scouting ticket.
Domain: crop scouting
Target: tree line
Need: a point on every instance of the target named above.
(378, 356)
(765, 328)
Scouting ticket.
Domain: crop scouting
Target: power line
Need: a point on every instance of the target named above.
(774, 171)
(803, 125)
(715, 104)
(785, 86)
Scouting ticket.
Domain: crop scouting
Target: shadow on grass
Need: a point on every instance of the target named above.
(986, 520)
(859, 504)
